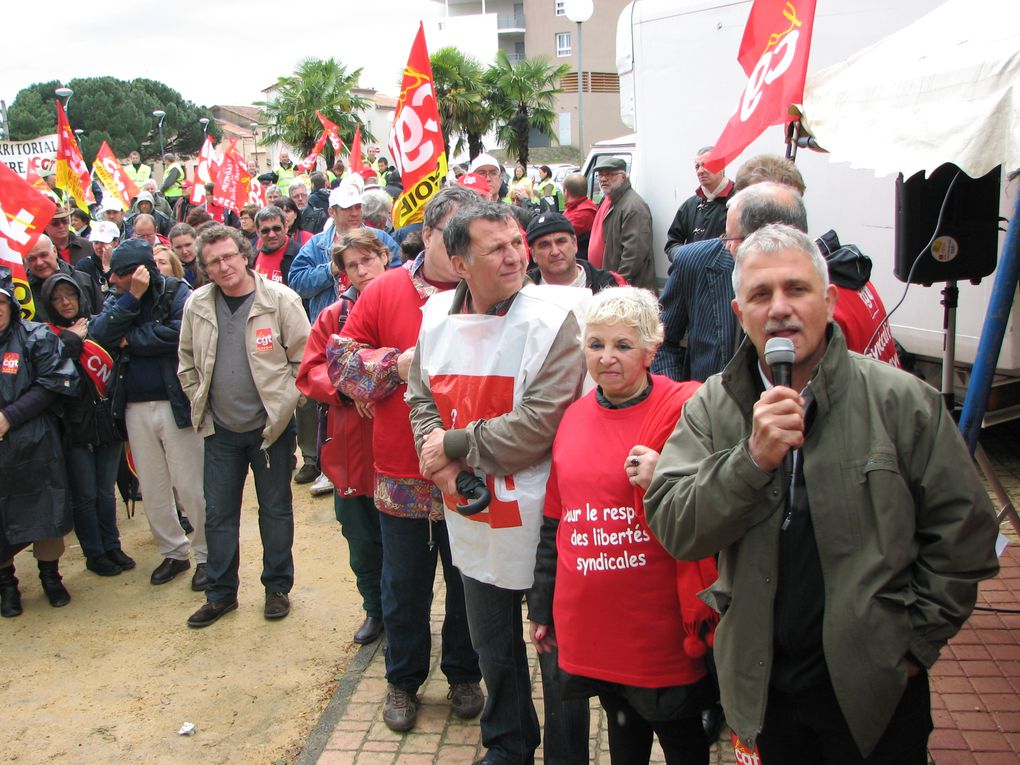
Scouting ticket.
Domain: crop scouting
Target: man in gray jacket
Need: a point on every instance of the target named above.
(852, 525)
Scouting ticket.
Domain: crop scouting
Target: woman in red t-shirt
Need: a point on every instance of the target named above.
(628, 625)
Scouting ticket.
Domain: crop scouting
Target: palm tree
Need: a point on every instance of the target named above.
(522, 96)
(323, 84)
(460, 91)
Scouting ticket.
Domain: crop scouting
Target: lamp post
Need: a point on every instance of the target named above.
(64, 94)
(579, 11)
(160, 114)
(204, 122)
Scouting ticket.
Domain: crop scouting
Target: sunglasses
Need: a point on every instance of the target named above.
(270, 230)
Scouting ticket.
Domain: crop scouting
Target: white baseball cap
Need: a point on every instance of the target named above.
(345, 195)
(483, 160)
(104, 231)
(111, 203)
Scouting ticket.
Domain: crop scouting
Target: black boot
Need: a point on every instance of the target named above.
(56, 593)
(10, 596)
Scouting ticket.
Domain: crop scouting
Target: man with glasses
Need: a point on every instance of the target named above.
(487, 166)
(242, 338)
(143, 321)
(311, 219)
(621, 234)
(698, 293)
(277, 250)
(41, 262)
(70, 247)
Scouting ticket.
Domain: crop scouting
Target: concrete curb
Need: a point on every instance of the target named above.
(337, 706)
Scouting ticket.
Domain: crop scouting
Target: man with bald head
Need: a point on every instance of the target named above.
(145, 228)
(41, 262)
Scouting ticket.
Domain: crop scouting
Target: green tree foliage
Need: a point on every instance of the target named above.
(460, 92)
(522, 97)
(323, 84)
(116, 111)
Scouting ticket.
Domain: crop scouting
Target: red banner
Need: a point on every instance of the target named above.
(24, 215)
(111, 175)
(232, 181)
(72, 174)
(308, 163)
(774, 55)
(416, 140)
(205, 171)
(332, 130)
(356, 161)
(95, 360)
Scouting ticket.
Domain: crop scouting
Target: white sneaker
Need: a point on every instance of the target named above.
(321, 485)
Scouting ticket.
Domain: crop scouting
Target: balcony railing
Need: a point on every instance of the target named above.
(510, 21)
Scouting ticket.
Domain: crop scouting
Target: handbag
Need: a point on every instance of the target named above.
(346, 456)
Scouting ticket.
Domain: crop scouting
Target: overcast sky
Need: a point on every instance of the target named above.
(211, 51)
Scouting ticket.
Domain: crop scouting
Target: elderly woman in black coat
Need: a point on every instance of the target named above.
(35, 503)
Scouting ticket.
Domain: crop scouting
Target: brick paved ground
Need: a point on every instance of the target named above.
(975, 685)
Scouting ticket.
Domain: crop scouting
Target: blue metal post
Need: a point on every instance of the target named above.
(992, 333)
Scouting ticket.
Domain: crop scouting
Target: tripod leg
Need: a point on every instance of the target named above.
(1006, 510)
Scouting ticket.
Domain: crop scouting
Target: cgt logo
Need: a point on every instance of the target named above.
(9, 366)
(264, 339)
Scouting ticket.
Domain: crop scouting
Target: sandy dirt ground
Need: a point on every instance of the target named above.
(112, 676)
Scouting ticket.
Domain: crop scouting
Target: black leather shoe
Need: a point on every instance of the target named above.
(103, 566)
(210, 612)
(277, 605)
(200, 580)
(49, 577)
(308, 473)
(369, 630)
(10, 595)
(121, 558)
(168, 569)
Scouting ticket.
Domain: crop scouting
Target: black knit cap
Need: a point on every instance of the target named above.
(548, 223)
(131, 254)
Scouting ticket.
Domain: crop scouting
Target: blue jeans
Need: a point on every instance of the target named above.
(228, 456)
(509, 722)
(92, 473)
(408, 576)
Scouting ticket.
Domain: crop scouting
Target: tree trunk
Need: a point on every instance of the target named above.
(474, 145)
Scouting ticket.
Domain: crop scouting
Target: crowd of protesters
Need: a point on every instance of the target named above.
(493, 390)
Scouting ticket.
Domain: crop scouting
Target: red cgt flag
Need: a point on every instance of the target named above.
(205, 171)
(24, 215)
(308, 163)
(356, 161)
(72, 174)
(774, 55)
(332, 130)
(233, 181)
(111, 175)
(416, 140)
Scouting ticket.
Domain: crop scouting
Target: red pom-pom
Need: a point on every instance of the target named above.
(694, 647)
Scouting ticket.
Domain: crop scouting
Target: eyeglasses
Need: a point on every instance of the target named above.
(60, 222)
(219, 261)
(63, 298)
(724, 239)
(270, 230)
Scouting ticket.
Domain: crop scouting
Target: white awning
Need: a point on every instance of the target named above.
(944, 89)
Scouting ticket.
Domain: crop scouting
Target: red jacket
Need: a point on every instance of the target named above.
(581, 214)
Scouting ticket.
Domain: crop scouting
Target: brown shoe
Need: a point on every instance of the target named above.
(400, 712)
(210, 612)
(466, 700)
(277, 605)
(369, 630)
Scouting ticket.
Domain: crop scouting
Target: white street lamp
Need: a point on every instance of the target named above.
(160, 114)
(579, 11)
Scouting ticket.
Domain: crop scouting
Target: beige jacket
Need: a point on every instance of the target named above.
(275, 336)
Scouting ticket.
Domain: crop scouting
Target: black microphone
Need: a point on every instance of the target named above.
(779, 355)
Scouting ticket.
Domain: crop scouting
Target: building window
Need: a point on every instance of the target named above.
(559, 9)
(563, 44)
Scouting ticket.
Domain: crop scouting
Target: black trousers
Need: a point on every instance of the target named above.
(683, 739)
(809, 729)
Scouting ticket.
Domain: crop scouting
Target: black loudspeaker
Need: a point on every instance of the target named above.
(966, 245)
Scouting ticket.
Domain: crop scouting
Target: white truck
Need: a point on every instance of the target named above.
(679, 84)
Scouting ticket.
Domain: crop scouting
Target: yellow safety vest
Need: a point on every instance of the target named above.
(284, 177)
(177, 189)
(139, 176)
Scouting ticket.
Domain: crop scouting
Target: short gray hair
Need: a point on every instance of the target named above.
(296, 185)
(768, 202)
(376, 208)
(445, 201)
(635, 307)
(457, 236)
(774, 239)
(270, 212)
